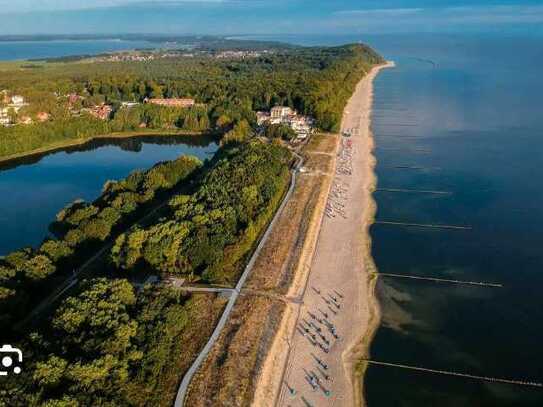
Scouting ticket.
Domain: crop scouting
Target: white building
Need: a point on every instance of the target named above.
(14, 104)
(302, 125)
(281, 112)
(129, 104)
(262, 117)
(4, 116)
(17, 100)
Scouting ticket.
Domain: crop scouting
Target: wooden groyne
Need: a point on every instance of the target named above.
(423, 225)
(419, 191)
(413, 167)
(427, 61)
(398, 136)
(440, 280)
(416, 150)
(457, 374)
(399, 124)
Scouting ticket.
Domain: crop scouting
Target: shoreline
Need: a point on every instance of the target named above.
(81, 141)
(351, 264)
(361, 349)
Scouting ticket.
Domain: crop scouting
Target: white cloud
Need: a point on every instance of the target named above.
(385, 12)
(24, 6)
(430, 19)
(493, 14)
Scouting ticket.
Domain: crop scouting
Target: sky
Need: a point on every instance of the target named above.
(229, 17)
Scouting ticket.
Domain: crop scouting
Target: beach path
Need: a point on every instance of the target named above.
(336, 297)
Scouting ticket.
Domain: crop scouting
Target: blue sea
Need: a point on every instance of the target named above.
(460, 114)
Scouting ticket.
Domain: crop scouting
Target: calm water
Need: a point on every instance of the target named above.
(14, 50)
(466, 112)
(33, 190)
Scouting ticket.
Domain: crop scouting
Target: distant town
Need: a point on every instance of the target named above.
(147, 55)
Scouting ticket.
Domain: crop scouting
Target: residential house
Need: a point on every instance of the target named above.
(5, 96)
(102, 112)
(18, 100)
(5, 119)
(73, 98)
(262, 117)
(25, 120)
(173, 102)
(280, 112)
(42, 116)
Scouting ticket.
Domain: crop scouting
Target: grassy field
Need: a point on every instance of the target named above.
(203, 317)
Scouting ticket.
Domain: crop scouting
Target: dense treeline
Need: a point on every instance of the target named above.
(209, 232)
(82, 228)
(23, 138)
(279, 131)
(107, 345)
(160, 117)
(315, 81)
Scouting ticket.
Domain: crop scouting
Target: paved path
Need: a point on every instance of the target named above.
(207, 290)
(183, 387)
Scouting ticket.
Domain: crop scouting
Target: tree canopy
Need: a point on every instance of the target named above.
(316, 81)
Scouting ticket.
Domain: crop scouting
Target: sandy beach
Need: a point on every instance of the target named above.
(320, 339)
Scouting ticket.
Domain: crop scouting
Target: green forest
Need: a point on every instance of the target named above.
(207, 234)
(315, 81)
(108, 343)
(82, 229)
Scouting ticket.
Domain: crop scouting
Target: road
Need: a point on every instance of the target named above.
(183, 387)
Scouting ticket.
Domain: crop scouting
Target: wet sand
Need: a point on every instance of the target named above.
(337, 266)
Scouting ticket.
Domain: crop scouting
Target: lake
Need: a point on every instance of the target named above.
(17, 50)
(34, 189)
(460, 114)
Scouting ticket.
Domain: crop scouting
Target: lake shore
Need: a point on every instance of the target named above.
(339, 262)
(80, 141)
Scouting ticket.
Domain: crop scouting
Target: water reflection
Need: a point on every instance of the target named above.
(130, 144)
(466, 125)
(34, 189)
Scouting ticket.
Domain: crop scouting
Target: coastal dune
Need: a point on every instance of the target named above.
(337, 263)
